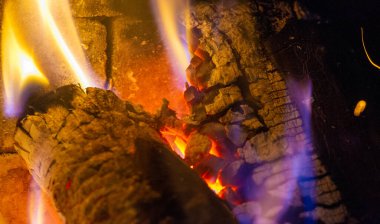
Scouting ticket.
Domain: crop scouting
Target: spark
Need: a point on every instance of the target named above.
(365, 50)
(360, 107)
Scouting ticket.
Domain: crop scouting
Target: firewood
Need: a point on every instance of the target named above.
(102, 160)
(242, 87)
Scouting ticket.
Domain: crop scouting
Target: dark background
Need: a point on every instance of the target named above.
(348, 145)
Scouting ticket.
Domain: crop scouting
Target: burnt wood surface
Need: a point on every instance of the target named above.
(103, 161)
(241, 97)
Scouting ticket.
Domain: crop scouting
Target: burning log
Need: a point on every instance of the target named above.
(103, 161)
(257, 113)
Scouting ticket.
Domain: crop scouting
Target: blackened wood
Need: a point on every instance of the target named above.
(272, 128)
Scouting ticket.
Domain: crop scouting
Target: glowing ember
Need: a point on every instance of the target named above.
(365, 51)
(360, 107)
(214, 151)
(173, 33)
(215, 185)
(178, 144)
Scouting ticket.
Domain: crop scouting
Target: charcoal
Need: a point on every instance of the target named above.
(230, 174)
(217, 133)
(231, 196)
(225, 98)
(198, 146)
(231, 117)
(210, 166)
(253, 124)
(237, 134)
(192, 95)
(198, 72)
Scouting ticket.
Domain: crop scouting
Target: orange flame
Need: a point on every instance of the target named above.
(19, 68)
(174, 34)
(215, 185)
(39, 32)
(214, 151)
(177, 141)
(52, 26)
(181, 145)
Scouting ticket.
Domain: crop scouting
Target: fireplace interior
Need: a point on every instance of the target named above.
(220, 111)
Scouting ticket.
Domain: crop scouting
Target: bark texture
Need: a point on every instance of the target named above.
(102, 161)
(238, 94)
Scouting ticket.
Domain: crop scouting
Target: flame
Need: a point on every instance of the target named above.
(43, 6)
(177, 141)
(19, 68)
(181, 145)
(215, 185)
(360, 107)
(40, 207)
(37, 35)
(174, 34)
(214, 151)
(36, 207)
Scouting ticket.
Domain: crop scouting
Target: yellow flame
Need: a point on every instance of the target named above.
(39, 32)
(19, 68)
(360, 107)
(167, 16)
(181, 146)
(216, 186)
(177, 141)
(61, 43)
(365, 50)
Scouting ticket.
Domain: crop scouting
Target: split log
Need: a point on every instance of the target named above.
(103, 161)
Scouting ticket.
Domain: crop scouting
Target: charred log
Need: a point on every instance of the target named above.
(103, 161)
(246, 95)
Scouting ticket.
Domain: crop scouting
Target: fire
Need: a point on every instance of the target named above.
(39, 34)
(43, 6)
(36, 207)
(360, 107)
(41, 209)
(174, 34)
(181, 146)
(214, 151)
(177, 141)
(19, 68)
(215, 185)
